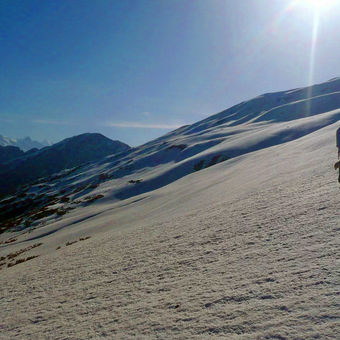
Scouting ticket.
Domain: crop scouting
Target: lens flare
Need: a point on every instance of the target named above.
(319, 8)
(312, 58)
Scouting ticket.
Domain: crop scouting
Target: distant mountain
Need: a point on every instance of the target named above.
(8, 153)
(66, 154)
(24, 144)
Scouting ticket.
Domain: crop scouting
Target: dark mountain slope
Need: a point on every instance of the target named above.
(68, 153)
(8, 153)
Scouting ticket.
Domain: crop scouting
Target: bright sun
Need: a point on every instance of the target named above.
(317, 5)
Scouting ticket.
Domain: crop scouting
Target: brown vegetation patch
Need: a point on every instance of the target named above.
(13, 212)
(92, 198)
(61, 211)
(135, 181)
(9, 224)
(84, 238)
(64, 199)
(104, 176)
(71, 242)
(11, 240)
(199, 166)
(44, 212)
(21, 251)
(216, 159)
(79, 188)
(18, 261)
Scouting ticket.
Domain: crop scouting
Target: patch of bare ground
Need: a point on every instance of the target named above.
(92, 198)
(18, 261)
(69, 243)
(20, 214)
(17, 253)
(21, 251)
(84, 238)
(11, 240)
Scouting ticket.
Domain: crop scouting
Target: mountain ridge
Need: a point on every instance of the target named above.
(71, 152)
(25, 144)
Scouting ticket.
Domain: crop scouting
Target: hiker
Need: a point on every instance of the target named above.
(337, 164)
(338, 141)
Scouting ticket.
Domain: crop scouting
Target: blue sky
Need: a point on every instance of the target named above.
(134, 70)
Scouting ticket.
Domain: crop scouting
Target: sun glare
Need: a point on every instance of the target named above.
(319, 8)
(317, 5)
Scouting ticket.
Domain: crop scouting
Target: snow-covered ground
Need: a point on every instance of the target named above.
(245, 249)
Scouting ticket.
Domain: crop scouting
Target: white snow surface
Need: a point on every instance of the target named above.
(244, 249)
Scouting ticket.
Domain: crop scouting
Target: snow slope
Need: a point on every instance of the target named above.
(242, 249)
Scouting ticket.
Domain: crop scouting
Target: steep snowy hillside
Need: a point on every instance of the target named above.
(244, 249)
